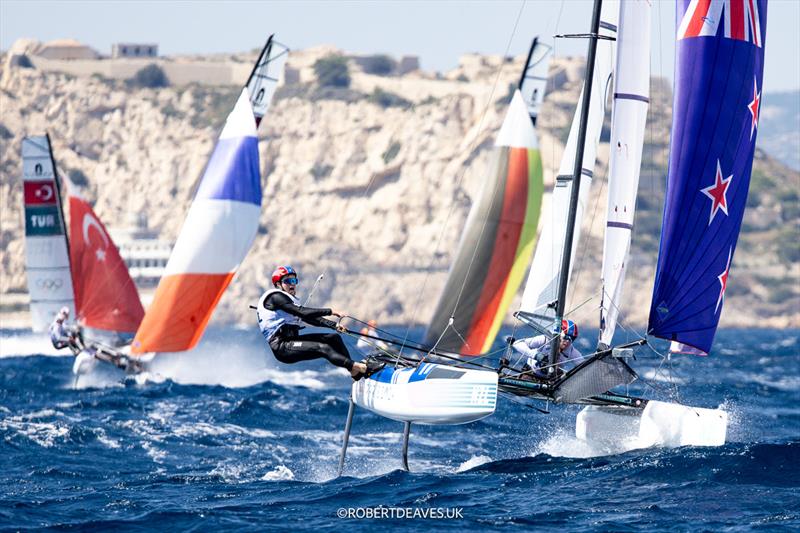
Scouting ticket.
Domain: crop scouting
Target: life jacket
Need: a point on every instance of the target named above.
(269, 321)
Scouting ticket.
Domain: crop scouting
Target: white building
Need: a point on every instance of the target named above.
(143, 252)
(134, 50)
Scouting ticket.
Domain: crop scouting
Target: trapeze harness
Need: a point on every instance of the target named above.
(280, 319)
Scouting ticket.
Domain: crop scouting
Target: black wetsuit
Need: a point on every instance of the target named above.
(290, 347)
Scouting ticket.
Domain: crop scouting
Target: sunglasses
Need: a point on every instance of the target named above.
(290, 281)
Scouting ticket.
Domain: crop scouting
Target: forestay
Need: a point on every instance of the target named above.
(629, 115)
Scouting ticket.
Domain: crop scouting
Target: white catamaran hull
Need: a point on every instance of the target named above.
(428, 394)
(658, 424)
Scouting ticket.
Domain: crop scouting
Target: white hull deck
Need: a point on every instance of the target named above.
(658, 424)
(428, 394)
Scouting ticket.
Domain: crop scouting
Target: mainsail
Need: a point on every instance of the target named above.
(46, 248)
(533, 82)
(215, 238)
(264, 79)
(105, 295)
(497, 242)
(541, 290)
(628, 118)
(718, 82)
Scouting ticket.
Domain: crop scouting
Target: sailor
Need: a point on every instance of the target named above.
(537, 350)
(281, 317)
(64, 336)
(365, 343)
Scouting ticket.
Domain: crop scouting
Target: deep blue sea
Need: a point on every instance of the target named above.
(228, 439)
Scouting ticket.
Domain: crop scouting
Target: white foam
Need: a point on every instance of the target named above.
(563, 443)
(280, 473)
(202, 428)
(663, 376)
(783, 383)
(472, 462)
(218, 362)
(27, 344)
(44, 434)
(156, 454)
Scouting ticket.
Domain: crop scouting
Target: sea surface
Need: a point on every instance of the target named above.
(225, 438)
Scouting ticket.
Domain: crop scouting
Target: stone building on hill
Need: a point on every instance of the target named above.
(66, 49)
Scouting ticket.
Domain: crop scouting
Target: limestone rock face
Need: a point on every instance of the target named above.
(372, 197)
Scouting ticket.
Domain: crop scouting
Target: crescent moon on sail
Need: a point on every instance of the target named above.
(45, 192)
(89, 221)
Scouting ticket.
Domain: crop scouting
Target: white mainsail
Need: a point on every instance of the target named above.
(629, 114)
(533, 84)
(46, 252)
(542, 285)
(266, 74)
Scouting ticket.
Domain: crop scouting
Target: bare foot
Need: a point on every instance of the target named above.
(359, 369)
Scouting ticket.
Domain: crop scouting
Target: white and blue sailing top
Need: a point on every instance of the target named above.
(270, 321)
(537, 350)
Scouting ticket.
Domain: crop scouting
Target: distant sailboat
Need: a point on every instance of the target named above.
(84, 271)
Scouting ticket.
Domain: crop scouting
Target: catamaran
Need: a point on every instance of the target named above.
(718, 76)
(78, 267)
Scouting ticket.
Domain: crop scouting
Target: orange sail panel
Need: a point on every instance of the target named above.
(105, 295)
(183, 311)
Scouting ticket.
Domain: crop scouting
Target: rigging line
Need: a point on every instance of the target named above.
(579, 270)
(620, 317)
(664, 359)
(458, 361)
(414, 346)
(463, 171)
(574, 309)
(497, 183)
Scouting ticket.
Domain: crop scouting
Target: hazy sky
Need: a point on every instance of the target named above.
(436, 31)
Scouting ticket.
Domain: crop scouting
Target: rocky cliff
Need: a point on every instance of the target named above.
(369, 185)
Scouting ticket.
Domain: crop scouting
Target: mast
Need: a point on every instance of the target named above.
(60, 198)
(527, 63)
(576, 178)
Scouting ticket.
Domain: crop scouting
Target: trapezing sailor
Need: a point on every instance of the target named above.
(281, 317)
(537, 351)
(63, 335)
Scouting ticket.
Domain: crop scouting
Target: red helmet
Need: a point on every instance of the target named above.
(281, 272)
